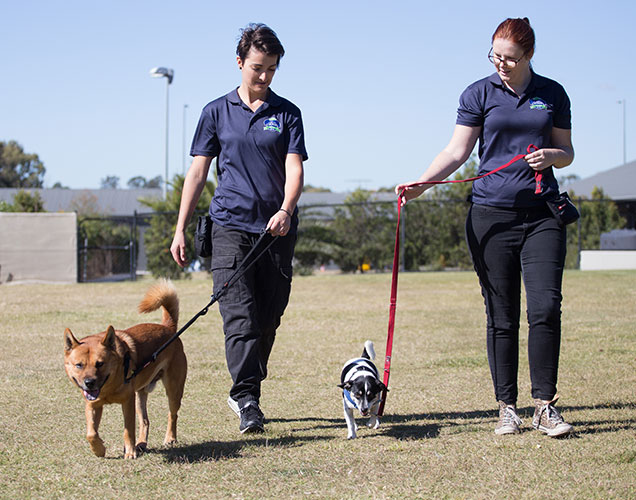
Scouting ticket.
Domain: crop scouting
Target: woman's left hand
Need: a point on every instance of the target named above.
(540, 159)
(279, 224)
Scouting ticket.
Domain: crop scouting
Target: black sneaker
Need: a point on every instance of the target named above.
(251, 418)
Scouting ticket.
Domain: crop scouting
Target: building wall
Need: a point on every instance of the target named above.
(38, 247)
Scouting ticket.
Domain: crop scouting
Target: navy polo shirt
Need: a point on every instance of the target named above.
(252, 147)
(509, 123)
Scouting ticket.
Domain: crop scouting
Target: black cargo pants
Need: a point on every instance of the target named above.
(253, 306)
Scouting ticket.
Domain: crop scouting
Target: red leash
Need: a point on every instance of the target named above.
(396, 261)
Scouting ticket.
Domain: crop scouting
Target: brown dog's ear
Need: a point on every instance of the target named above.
(70, 342)
(109, 338)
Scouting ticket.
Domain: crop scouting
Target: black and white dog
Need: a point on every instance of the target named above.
(361, 389)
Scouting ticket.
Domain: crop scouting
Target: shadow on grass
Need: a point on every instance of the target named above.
(399, 426)
(219, 450)
(406, 426)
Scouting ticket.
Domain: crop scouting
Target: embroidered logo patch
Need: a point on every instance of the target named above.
(538, 103)
(272, 124)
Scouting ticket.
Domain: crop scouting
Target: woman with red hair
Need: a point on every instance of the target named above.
(510, 231)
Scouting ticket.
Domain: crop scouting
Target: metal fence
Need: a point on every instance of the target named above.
(112, 248)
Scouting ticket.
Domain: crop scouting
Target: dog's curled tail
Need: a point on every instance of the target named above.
(162, 294)
(368, 350)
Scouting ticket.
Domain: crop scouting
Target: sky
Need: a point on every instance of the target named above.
(377, 82)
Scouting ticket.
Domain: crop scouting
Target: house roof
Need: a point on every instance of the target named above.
(618, 183)
(102, 201)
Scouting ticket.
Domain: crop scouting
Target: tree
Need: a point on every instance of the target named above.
(598, 215)
(308, 188)
(103, 236)
(316, 241)
(434, 224)
(158, 237)
(136, 182)
(363, 232)
(24, 201)
(19, 169)
(140, 182)
(110, 182)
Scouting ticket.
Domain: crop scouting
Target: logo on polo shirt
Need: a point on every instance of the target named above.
(272, 124)
(538, 103)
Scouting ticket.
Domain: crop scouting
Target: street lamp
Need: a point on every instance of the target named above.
(183, 141)
(161, 72)
(623, 102)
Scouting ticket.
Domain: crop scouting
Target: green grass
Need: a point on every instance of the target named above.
(436, 439)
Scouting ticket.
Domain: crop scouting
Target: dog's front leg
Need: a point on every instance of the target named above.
(141, 399)
(374, 420)
(93, 418)
(128, 408)
(351, 422)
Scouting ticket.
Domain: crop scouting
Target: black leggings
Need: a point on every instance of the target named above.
(507, 245)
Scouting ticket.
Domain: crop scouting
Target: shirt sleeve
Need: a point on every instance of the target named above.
(296, 144)
(470, 111)
(562, 116)
(206, 140)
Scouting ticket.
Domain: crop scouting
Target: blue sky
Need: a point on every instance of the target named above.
(377, 82)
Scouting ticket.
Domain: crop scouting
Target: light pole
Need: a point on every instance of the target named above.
(623, 102)
(161, 72)
(183, 141)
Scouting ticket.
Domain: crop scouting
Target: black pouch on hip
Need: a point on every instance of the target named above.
(563, 210)
(203, 236)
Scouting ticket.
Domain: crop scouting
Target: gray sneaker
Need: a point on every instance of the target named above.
(509, 421)
(548, 420)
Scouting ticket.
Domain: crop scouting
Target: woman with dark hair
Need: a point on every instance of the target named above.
(259, 141)
(510, 231)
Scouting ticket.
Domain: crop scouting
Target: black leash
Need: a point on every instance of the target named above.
(215, 296)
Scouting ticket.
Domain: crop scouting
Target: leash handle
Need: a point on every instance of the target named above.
(396, 261)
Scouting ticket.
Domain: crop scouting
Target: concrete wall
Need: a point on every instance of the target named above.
(38, 247)
(597, 260)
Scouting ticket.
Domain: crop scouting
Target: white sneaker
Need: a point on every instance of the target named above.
(234, 406)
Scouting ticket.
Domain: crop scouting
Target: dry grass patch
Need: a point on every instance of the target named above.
(436, 440)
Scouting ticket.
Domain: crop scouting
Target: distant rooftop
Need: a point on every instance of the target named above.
(618, 183)
(105, 201)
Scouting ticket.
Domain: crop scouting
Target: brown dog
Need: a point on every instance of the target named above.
(99, 364)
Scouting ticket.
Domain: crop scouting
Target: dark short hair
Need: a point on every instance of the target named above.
(262, 38)
(517, 31)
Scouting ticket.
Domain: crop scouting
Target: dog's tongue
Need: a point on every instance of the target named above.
(91, 395)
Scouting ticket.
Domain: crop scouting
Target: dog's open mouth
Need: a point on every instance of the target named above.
(91, 395)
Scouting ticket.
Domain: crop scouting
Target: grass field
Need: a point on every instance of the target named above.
(436, 439)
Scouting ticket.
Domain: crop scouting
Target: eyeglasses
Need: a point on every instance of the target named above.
(506, 61)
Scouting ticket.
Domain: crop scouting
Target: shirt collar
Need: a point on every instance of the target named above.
(272, 101)
(537, 81)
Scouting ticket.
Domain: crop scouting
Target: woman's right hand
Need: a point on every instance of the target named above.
(408, 191)
(178, 248)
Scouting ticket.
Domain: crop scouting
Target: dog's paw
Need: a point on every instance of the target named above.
(141, 447)
(373, 423)
(97, 445)
(130, 453)
(351, 436)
